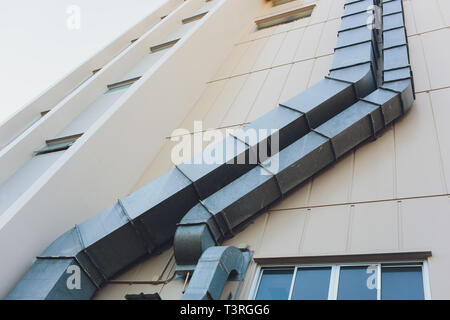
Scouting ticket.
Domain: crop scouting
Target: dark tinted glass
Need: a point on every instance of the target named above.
(275, 284)
(357, 283)
(402, 283)
(312, 284)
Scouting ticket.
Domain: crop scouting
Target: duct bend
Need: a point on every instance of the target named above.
(81, 260)
(354, 75)
(214, 268)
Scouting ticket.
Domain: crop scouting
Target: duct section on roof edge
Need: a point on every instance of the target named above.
(223, 195)
(213, 270)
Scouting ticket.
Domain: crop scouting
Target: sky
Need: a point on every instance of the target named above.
(38, 45)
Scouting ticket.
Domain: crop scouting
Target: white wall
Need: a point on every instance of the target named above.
(105, 163)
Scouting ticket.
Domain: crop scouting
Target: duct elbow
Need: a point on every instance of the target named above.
(214, 269)
(189, 244)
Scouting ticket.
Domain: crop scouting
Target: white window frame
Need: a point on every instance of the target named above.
(334, 277)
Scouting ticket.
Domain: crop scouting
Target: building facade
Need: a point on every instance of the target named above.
(369, 222)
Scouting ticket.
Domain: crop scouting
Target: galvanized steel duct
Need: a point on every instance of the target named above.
(214, 268)
(337, 123)
(315, 128)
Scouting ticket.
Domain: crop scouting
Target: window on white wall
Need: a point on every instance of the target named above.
(286, 16)
(380, 281)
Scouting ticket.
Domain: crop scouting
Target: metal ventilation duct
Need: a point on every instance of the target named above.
(337, 122)
(315, 129)
(213, 270)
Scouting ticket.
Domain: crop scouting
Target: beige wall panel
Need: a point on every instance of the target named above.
(308, 46)
(417, 152)
(151, 269)
(270, 92)
(255, 34)
(439, 265)
(297, 80)
(248, 281)
(329, 37)
(220, 108)
(440, 104)
(337, 8)
(282, 233)
(444, 6)
(291, 26)
(418, 64)
(326, 231)
(437, 48)
(374, 227)
(204, 104)
(249, 234)
(374, 171)
(270, 51)
(427, 15)
(289, 47)
(297, 198)
(172, 290)
(321, 69)
(410, 22)
(249, 58)
(334, 184)
(245, 99)
(321, 11)
(161, 164)
(425, 224)
(232, 61)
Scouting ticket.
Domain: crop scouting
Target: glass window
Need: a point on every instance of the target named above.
(275, 284)
(402, 283)
(357, 283)
(312, 284)
(385, 281)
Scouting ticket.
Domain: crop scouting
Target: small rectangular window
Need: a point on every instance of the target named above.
(280, 2)
(58, 144)
(121, 84)
(284, 17)
(163, 46)
(43, 113)
(194, 17)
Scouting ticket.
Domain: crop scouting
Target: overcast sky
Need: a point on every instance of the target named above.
(37, 48)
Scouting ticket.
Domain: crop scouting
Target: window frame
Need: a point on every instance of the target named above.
(335, 272)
